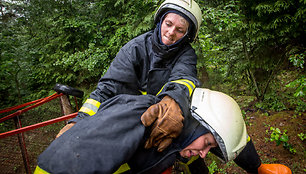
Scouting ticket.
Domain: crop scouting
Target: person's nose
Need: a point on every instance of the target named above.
(171, 30)
(204, 152)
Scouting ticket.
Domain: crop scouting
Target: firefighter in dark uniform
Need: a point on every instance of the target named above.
(159, 63)
(117, 135)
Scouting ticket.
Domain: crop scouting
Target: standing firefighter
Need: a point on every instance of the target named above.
(108, 130)
(160, 62)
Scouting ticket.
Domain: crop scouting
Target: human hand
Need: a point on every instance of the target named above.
(64, 129)
(168, 123)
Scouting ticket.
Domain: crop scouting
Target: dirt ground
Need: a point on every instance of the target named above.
(257, 125)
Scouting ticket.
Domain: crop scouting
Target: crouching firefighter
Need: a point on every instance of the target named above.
(114, 137)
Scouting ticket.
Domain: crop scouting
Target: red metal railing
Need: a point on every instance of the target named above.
(19, 112)
(19, 129)
(38, 125)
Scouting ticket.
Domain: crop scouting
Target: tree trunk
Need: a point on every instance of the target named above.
(204, 78)
(251, 75)
(257, 92)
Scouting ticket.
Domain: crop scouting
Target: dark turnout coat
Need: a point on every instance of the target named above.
(144, 65)
(114, 136)
(113, 133)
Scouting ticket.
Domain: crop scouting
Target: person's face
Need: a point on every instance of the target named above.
(173, 28)
(200, 146)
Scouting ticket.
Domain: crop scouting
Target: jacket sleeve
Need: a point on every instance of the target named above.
(120, 78)
(183, 80)
(248, 159)
(83, 149)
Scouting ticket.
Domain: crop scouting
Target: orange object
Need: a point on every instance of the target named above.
(273, 169)
(168, 171)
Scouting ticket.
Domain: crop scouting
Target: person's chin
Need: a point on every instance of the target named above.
(166, 41)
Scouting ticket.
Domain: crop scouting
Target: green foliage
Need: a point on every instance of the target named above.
(272, 101)
(242, 45)
(281, 138)
(71, 42)
(15, 62)
(271, 19)
(298, 60)
(213, 165)
(278, 25)
(246, 118)
(89, 63)
(300, 86)
(213, 168)
(302, 136)
(220, 49)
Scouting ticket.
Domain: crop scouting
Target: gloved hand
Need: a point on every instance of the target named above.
(65, 128)
(273, 169)
(168, 123)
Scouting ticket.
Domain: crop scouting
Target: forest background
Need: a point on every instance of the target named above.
(253, 50)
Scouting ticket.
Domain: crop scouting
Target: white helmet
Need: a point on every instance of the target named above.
(220, 114)
(188, 7)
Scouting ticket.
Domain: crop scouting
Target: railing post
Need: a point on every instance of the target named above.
(22, 146)
(64, 100)
(65, 106)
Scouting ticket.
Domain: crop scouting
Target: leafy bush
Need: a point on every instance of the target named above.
(274, 102)
(281, 138)
(302, 136)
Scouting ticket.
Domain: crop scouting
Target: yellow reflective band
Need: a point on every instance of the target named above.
(193, 158)
(90, 107)
(249, 139)
(190, 85)
(38, 170)
(123, 168)
(93, 102)
(161, 89)
(190, 82)
(143, 92)
(87, 111)
(187, 83)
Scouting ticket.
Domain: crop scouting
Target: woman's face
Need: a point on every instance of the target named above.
(200, 146)
(173, 28)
